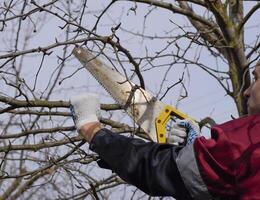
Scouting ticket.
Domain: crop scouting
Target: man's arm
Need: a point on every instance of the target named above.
(149, 166)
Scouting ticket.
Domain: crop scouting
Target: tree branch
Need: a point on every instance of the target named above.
(247, 17)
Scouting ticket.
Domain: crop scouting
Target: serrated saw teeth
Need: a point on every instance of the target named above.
(142, 107)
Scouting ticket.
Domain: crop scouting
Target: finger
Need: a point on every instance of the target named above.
(178, 126)
(175, 143)
(174, 139)
(179, 132)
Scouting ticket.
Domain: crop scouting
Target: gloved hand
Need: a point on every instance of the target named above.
(184, 130)
(85, 108)
(177, 135)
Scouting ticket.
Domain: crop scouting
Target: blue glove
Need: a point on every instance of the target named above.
(184, 130)
(192, 129)
(177, 134)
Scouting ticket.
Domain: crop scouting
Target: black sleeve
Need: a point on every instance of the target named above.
(149, 166)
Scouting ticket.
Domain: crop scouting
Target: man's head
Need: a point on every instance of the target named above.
(252, 93)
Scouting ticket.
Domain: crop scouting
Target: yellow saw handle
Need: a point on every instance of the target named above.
(162, 120)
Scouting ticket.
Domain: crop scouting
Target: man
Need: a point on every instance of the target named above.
(227, 166)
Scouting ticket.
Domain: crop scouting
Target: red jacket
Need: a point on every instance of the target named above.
(229, 163)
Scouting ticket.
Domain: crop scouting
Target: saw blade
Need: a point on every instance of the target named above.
(142, 107)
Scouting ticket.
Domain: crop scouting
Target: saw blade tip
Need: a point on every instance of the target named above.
(77, 49)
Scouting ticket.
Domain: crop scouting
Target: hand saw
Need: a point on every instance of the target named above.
(149, 113)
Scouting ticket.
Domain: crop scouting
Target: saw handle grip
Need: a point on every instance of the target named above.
(162, 120)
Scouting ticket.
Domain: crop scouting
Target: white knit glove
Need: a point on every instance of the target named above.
(177, 135)
(184, 131)
(85, 108)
